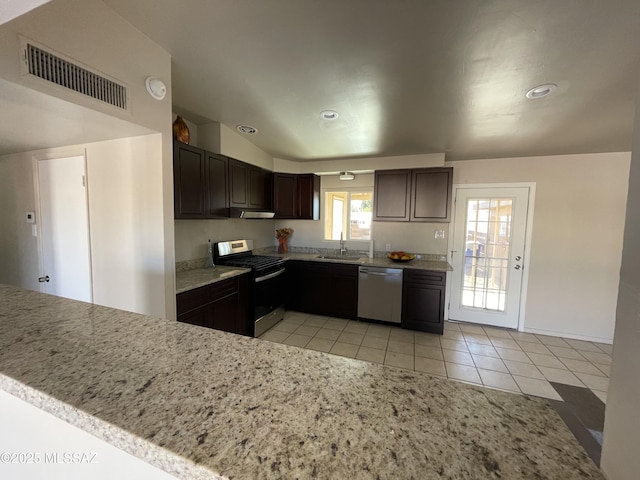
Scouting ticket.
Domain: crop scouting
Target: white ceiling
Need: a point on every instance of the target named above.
(406, 76)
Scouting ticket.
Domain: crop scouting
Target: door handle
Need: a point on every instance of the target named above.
(44, 279)
(518, 258)
(517, 267)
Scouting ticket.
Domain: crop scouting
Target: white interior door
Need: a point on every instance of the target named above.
(488, 255)
(64, 221)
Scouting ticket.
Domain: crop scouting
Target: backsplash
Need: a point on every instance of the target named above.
(191, 236)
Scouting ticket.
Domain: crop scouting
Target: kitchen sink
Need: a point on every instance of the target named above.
(346, 258)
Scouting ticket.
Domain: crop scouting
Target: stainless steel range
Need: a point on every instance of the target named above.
(267, 294)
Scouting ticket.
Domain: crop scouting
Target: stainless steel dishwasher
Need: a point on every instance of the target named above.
(380, 293)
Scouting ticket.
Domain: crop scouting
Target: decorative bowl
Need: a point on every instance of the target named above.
(405, 257)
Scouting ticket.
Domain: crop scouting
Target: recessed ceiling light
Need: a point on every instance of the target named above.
(541, 90)
(329, 114)
(246, 129)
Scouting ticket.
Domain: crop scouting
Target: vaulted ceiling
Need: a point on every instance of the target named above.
(405, 76)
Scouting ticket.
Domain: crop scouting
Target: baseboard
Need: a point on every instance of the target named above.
(568, 335)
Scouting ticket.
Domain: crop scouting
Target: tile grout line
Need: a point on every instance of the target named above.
(456, 335)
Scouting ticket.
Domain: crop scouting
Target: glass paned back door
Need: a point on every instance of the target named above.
(487, 258)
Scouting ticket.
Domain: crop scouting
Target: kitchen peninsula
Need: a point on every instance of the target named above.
(200, 403)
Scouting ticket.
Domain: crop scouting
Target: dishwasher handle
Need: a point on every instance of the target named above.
(381, 274)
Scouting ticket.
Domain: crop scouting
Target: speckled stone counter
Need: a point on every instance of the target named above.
(436, 265)
(199, 277)
(201, 403)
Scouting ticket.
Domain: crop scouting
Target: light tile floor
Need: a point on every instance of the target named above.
(488, 356)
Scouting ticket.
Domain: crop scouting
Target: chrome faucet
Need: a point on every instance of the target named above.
(343, 247)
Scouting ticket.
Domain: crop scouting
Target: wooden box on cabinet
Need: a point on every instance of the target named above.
(423, 300)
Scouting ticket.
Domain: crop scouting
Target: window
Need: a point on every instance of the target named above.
(348, 213)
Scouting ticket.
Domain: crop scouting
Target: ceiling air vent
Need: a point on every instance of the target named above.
(54, 69)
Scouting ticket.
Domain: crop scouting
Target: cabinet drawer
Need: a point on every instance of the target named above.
(222, 289)
(192, 299)
(425, 276)
(345, 270)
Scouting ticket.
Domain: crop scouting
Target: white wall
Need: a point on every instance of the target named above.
(235, 145)
(89, 32)
(363, 164)
(620, 459)
(124, 184)
(19, 263)
(576, 237)
(125, 190)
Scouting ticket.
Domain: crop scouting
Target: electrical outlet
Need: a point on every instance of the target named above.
(388, 247)
(439, 234)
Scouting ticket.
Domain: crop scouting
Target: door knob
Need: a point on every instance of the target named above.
(518, 258)
(517, 267)
(44, 279)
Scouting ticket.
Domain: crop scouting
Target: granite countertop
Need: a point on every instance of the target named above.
(191, 274)
(199, 277)
(201, 403)
(422, 264)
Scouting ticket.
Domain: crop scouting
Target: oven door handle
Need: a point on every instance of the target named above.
(270, 276)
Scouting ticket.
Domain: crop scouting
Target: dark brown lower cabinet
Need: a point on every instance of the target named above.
(222, 305)
(423, 300)
(323, 288)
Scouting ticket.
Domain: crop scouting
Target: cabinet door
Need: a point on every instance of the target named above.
(200, 316)
(308, 197)
(218, 185)
(238, 184)
(313, 282)
(392, 195)
(189, 181)
(224, 313)
(284, 195)
(423, 300)
(342, 298)
(431, 195)
(257, 188)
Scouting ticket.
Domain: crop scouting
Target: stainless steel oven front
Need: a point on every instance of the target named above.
(269, 298)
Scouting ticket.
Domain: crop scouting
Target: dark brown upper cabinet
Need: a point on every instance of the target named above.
(296, 196)
(189, 181)
(218, 185)
(392, 195)
(418, 195)
(250, 186)
(200, 183)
